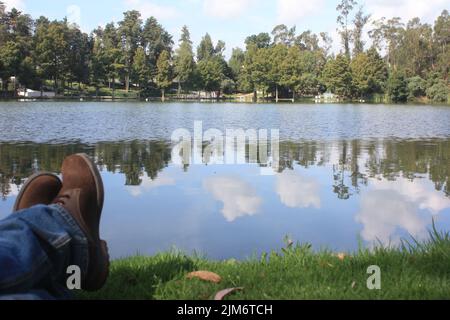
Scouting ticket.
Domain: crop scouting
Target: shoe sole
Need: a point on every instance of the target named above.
(27, 184)
(98, 279)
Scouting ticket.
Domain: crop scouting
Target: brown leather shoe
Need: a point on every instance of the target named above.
(40, 188)
(82, 196)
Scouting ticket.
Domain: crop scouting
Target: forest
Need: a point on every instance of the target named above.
(384, 60)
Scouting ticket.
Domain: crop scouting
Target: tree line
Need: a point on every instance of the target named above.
(402, 61)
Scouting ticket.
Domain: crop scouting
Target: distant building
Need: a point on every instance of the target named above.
(28, 93)
(327, 97)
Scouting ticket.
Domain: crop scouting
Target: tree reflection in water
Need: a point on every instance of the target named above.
(352, 162)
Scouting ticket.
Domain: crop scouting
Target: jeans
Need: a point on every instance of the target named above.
(36, 247)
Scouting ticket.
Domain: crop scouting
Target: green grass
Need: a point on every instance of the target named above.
(412, 271)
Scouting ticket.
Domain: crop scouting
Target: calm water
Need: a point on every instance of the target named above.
(347, 173)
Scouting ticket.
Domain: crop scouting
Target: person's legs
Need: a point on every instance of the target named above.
(34, 295)
(38, 244)
(36, 247)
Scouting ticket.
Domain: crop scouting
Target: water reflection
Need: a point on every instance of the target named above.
(400, 204)
(298, 191)
(149, 184)
(327, 193)
(239, 198)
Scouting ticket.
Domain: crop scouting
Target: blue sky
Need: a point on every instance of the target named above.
(228, 20)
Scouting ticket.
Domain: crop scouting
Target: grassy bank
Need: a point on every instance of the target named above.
(412, 271)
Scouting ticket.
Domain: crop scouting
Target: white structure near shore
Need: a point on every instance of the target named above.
(326, 97)
(28, 93)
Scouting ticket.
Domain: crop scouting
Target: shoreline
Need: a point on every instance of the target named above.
(169, 100)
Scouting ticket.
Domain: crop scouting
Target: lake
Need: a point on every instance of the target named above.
(346, 175)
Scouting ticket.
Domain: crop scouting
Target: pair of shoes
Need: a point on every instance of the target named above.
(81, 193)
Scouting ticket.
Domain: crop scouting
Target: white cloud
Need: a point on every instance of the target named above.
(18, 4)
(426, 10)
(149, 184)
(297, 191)
(148, 8)
(416, 192)
(383, 212)
(291, 11)
(394, 205)
(238, 197)
(226, 9)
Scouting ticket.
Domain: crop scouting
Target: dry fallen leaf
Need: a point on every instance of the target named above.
(353, 284)
(205, 276)
(222, 294)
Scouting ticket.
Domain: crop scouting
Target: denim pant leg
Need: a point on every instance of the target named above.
(36, 247)
(34, 295)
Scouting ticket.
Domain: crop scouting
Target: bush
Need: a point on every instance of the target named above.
(438, 92)
(416, 87)
(397, 88)
(228, 86)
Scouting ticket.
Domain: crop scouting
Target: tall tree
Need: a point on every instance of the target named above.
(212, 74)
(184, 59)
(368, 73)
(80, 48)
(261, 40)
(141, 70)
(236, 62)
(112, 55)
(246, 81)
(283, 35)
(387, 35)
(164, 73)
(16, 46)
(98, 62)
(415, 52)
(155, 40)
(10, 61)
(110, 37)
(360, 21)
(3, 25)
(212, 68)
(277, 55)
(205, 49)
(130, 32)
(52, 50)
(291, 71)
(344, 8)
(337, 76)
(326, 43)
(441, 38)
(115, 67)
(307, 41)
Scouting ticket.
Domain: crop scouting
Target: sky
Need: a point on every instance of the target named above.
(228, 20)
